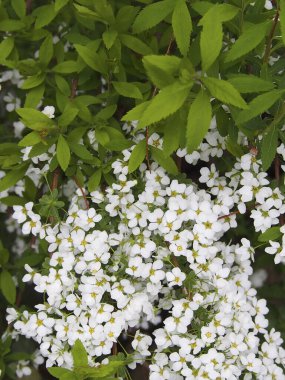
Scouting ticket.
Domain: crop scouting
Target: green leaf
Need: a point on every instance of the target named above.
(4, 254)
(59, 4)
(199, 119)
(46, 51)
(251, 37)
(45, 14)
(219, 12)
(19, 7)
(136, 113)
(6, 47)
(68, 115)
(272, 233)
(79, 354)
(67, 67)
(94, 180)
(34, 119)
(137, 156)
(246, 83)
(166, 162)
(168, 101)
(58, 372)
(268, 147)
(80, 151)
(34, 96)
(11, 25)
(63, 153)
(135, 44)
(109, 37)
(33, 81)
(30, 139)
(8, 287)
(258, 105)
(282, 18)
(210, 42)
(182, 26)
(128, 90)
(224, 91)
(152, 14)
(91, 58)
(12, 177)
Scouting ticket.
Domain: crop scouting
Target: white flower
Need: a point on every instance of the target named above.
(49, 111)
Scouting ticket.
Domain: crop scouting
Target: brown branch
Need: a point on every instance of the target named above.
(55, 179)
(28, 6)
(228, 215)
(82, 191)
(270, 38)
(74, 85)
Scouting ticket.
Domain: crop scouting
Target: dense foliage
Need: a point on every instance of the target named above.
(142, 158)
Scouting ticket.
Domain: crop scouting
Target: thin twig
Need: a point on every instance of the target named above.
(277, 177)
(270, 38)
(82, 191)
(74, 85)
(28, 6)
(228, 215)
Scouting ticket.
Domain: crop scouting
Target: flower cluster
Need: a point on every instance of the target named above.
(155, 250)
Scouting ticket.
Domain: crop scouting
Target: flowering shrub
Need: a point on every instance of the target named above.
(142, 189)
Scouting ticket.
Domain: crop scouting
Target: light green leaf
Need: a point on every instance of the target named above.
(67, 67)
(136, 113)
(199, 119)
(182, 26)
(58, 372)
(268, 147)
(166, 162)
(79, 354)
(210, 42)
(152, 14)
(224, 91)
(34, 96)
(246, 83)
(251, 37)
(30, 139)
(46, 51)
(109, 37)
(33, 81)
(8, 287)
(34, 119)
(272, 233)
(80, 151)
(135, 44)
(6, 47)
(12, 177)
(165, 103)
(258, 105)
(128, 90)
(220, 12)
(45, 14)
(91, 58)
(94, 180)
(167, 63)
(69, 114)
(11, 25)
(137, 156)
(63, 153)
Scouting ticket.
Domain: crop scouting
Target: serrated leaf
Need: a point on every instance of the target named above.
(94, 180)
(166, 162)
(165, 103)
(137, 156)
(251, 37)
(182, 26)
(8, 287)
(258, 105)
(152, 15)
(268, 147)
(136, 113)
(272, 233)
(199, 119)
(128, 90)
(62, 153)
(224, 91)
(246, 83)
(79, 354)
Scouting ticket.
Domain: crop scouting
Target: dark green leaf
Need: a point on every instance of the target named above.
(268, 147)
(46, 51)
(12, 177)
(272, 233)
(62, 153)
(59, 4)
(91, 58)
(94, 180)
(166, 162)
(19, 7)
(282, 18)
(137, 156)
(8, 287)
